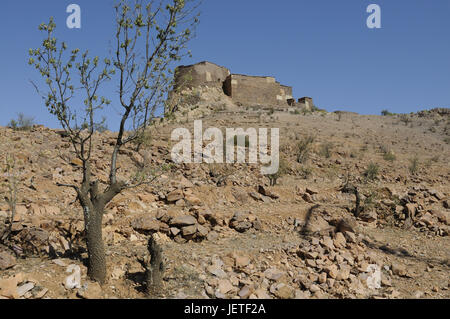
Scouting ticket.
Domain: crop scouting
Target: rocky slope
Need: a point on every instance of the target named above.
(226, 233)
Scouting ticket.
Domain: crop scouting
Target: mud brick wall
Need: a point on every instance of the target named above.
(203, 73)
(306, 103)
(250, 90)
(243, 89)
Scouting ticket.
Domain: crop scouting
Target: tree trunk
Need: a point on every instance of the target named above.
(358, 202)
(96, 250)
(156, 268)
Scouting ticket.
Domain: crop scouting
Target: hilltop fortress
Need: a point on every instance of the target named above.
(243, 90)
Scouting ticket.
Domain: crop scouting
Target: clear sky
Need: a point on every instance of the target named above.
(322, 48)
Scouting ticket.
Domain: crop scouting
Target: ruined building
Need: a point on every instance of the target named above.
(242, 89)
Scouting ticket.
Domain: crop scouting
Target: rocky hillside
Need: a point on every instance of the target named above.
(362, 210)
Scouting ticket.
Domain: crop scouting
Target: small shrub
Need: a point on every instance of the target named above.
(371, 172)
(23, 123)
(99, 127)
(304, 148)
(144, 140)
(414, 165)
(306, 172)
(282, 170)
(305, 112)
(389, 156)
(405, 119)
(326, 149)
(386, 113)
(317, 109)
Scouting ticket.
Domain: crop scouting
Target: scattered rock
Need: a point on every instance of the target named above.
(399, 270)
(263, 190)
(284, 292)
(189, 230)
(224, 286)
(7, 260)
(8, 286)
(90, 290)
(182, 221)
(175, 196)
(332, 271)
(39, 292)
(146, 224)
(339, 241)
(22, 290)
(368, 217)
(316, 224)
(74, 279)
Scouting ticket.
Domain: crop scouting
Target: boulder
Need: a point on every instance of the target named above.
(346, 225)
(368, 217)
(317, 224)
(146, 223)
(175, 196)
(442, 216)
(264, 190)
(241, 226)
(202, 231)
(193, 200)
(189, 230)
(241, 261)
(411, 209)
(332, 271)
(327, 242)
(399, 270)
(339, 240)
(427, 219)
(183, 220)
(6, 260)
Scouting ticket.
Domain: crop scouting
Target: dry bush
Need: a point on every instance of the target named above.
(304, 148)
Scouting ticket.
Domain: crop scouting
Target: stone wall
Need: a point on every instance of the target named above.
(306, 103)
(251, 90)
(243, 89)
(200, 74)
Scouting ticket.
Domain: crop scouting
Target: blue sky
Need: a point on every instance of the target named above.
(321, 48)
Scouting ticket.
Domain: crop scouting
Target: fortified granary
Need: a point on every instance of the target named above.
(242, 89)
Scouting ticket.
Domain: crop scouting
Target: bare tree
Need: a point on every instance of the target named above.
(149, 38)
